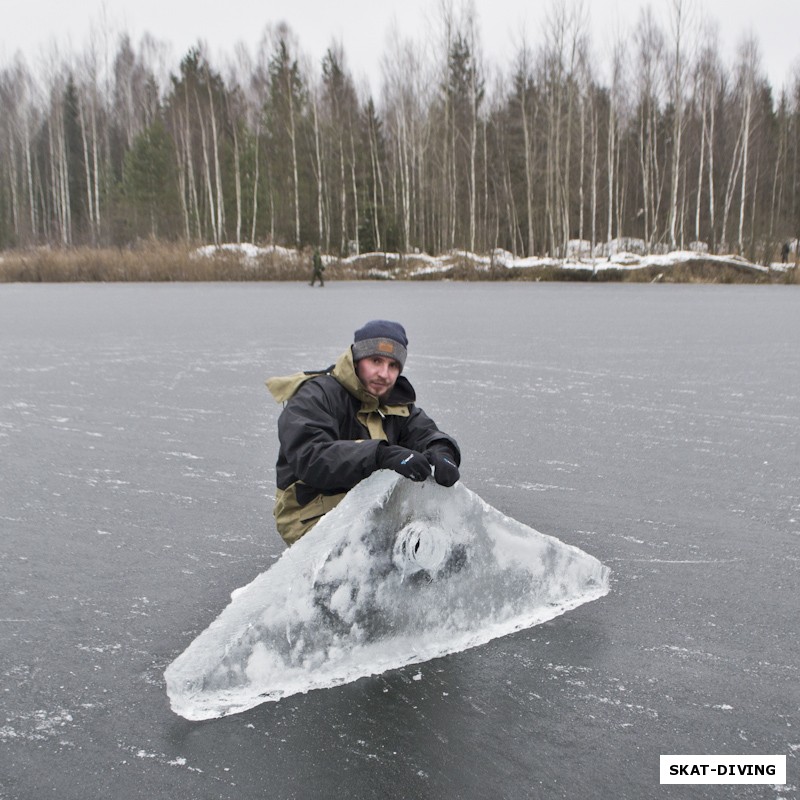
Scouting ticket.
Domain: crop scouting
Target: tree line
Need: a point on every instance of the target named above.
(671, 145)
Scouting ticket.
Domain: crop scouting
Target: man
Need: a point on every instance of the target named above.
(317, 268)
(342, 424)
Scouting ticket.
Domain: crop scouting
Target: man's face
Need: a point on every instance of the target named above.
(378, 374)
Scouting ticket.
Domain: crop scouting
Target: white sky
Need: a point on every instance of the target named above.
(364, 26)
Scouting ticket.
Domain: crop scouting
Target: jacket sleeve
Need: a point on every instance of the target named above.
(421, 432)
(309, 434)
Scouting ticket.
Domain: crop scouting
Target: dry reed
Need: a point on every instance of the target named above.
(164, 262)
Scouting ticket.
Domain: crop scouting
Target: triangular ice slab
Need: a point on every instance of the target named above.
(398, 573)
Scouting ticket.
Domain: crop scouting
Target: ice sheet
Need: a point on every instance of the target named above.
(397, 573)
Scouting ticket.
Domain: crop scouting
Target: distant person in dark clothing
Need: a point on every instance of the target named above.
(785, 252)
(317, 269)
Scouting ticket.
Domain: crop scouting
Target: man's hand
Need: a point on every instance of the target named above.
(409, 463)
(445, 469)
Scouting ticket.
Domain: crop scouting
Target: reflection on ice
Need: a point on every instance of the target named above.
(397, 573)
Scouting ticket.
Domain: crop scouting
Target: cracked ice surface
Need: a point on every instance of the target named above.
(397, 574)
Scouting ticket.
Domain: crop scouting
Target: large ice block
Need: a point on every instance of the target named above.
(399, 572)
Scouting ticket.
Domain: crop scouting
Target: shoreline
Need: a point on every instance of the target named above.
(246, 263)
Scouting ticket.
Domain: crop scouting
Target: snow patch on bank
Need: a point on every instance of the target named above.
(619, 254)
(247, 252)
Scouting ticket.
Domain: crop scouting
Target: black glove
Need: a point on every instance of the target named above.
(443, 461)
(408, 463)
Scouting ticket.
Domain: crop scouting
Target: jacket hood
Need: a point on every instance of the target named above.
(285, 387)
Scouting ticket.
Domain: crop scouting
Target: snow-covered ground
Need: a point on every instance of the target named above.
(620, 254)
(248, 252)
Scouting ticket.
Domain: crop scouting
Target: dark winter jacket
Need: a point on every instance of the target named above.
(329, 432)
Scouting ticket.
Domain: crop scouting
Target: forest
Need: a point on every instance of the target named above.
(668, 142)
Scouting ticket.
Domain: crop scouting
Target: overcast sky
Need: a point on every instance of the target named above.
(364, 26)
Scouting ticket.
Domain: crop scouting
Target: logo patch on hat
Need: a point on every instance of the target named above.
(386, 347)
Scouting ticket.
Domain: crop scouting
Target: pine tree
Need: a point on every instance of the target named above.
(150, 183)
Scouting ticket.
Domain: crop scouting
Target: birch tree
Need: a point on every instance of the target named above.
(679, 22)
(739, 160)
(18, 124)
(375, 145)
(403, 98)
(707, 91)
(649, 50)
(748, 76)
(615, 120)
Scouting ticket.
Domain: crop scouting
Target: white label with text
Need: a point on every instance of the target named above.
(769, 769)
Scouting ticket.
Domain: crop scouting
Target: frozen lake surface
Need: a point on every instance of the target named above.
(654, 427)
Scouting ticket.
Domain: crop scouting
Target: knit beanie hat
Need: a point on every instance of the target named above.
(380, 337)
